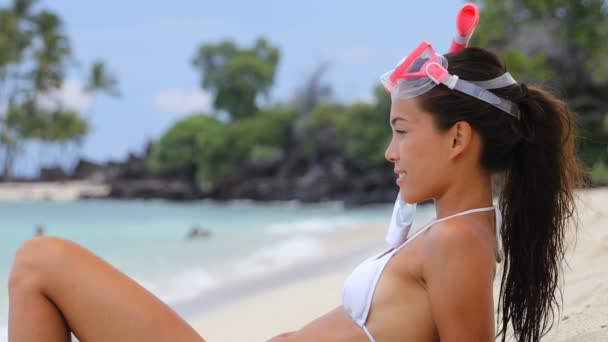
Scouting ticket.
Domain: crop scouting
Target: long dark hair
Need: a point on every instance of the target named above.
(536, 155)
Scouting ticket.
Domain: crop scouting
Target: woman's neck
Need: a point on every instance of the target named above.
(467, 193)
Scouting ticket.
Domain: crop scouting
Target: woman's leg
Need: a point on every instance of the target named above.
(56, 287)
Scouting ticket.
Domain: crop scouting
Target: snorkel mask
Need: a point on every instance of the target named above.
(422, 70)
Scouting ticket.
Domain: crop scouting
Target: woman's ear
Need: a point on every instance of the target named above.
(460, 136)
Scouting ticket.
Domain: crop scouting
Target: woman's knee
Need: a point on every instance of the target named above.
(35, 258)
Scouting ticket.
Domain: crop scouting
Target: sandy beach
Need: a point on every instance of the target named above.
(286, 301)
(53, 191)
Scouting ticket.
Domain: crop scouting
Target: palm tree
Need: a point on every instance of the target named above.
(101, 80)
(15, 38)
(34, 56)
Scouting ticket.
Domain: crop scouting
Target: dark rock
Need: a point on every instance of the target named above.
(53, 174)
(269, 177)
(178, 190)
(133, 168)
(88, 170)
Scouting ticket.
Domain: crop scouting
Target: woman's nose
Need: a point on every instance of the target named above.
(391, 154)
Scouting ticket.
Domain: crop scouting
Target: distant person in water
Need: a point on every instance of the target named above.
(198, 232)
(39, 231)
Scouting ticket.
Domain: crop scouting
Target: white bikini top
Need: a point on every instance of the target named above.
(359, 288)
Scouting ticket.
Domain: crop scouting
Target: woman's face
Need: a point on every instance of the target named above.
(418, 151)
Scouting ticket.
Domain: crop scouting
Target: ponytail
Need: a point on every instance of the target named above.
(537, 204)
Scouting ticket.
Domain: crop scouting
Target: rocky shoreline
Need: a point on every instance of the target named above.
(130, 179)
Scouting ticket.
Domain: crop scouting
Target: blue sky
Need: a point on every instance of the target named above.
(149, 45)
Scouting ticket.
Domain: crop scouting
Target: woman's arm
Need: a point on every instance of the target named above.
(458, 271)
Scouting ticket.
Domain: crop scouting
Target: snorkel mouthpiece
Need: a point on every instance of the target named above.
(466, 22)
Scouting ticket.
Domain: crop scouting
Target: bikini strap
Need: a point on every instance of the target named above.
(470, 211)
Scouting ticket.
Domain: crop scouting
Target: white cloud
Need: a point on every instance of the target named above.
(71, 96)
(182, 101)
(345, 54)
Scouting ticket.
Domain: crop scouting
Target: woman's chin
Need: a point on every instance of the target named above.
(407, 196)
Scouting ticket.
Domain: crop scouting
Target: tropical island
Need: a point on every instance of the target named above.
(309, 148)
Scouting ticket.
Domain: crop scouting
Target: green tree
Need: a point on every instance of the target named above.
(245, 146)
(100, 79)
(365, 131)
(358, 133)
(313, 92)
(178, 151)
(382, 100)
(237, 76)
(51, 51)
(321, 131)
(35, 54)
(208, 151)
(555, 40)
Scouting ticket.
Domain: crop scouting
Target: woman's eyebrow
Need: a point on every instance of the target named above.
(394, 120)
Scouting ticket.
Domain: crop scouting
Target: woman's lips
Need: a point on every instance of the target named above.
(400, 178)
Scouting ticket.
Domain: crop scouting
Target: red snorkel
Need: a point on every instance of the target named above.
(466, 21)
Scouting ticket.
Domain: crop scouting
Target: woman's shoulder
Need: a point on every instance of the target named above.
(457, 231)
(460, 243)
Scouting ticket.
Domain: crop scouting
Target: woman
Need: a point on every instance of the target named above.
(449, 137)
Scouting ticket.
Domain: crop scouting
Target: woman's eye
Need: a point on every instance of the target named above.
(400, 131)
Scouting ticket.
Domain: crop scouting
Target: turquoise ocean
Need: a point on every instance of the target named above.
(148, 239)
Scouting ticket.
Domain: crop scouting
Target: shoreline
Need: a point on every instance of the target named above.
(51, 191)
(344, 250)
(235, 291)
(74, 190)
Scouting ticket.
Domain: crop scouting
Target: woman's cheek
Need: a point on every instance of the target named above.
(406, 153)
(411, 160)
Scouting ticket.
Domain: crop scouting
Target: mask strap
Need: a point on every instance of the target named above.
(439, 74)
(487, 96)
(502, 81)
